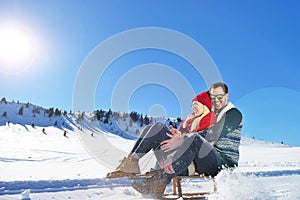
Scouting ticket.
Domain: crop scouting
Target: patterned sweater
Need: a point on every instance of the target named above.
(225, 135)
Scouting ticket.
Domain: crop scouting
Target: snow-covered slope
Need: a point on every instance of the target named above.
(51, 165)
(28, 114)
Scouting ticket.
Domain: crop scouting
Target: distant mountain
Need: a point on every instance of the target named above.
(127, 125)
(29, 114)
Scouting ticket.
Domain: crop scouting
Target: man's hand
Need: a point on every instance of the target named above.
(173, 130)
(173, 143)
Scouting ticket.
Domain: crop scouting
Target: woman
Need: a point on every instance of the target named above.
(158, 137)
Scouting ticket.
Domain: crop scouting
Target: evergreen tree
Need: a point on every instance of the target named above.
(80, 116)
(146, 120)
(125, 116)
(3, 100)
(4, 114)
(21, 110)
(107, 117)
(50, 112)
(36, 110)
(116, 116)
(141, 120)
(57, 112)
(134, 116)
(99, 114)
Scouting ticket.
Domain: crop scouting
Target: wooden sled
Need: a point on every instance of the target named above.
(177, 189)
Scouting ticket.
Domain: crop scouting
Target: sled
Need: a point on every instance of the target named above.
(177, 191)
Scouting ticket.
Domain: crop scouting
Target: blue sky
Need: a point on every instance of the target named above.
(254, 45)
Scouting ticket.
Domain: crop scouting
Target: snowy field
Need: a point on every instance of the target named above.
(70, 160)
(50, 166)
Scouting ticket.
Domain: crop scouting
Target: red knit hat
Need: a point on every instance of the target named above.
(204, 99)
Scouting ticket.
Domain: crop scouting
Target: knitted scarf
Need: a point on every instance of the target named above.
(221, 112)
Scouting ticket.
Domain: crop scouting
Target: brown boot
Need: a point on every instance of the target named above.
(129, 166)
(154, 186)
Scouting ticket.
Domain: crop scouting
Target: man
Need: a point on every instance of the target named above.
(210, 150)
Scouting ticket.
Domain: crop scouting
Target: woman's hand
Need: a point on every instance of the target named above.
(173, 143)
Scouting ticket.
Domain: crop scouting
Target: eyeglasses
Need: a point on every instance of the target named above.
(219, 96)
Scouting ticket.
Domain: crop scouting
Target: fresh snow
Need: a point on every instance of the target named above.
(48, 165)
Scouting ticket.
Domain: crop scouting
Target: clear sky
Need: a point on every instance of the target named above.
(47, 46)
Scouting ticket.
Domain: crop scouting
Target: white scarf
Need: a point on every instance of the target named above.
(224, 110)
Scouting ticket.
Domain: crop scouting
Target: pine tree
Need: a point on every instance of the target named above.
(3, 100)
(134, 116)
(4, 114)
(57, 112)
(141, 120)
(80, 116)
(107, 117)
(99, 114)
(50, 112)
(146, 120)
(21, 111)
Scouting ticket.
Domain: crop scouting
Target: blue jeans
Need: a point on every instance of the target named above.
(194, 148)
(150, 139)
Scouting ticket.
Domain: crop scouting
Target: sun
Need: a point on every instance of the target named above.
(17, 48)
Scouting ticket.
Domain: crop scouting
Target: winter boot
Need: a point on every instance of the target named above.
(154, 186)
(129, 166)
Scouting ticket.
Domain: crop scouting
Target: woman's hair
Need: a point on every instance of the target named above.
(219, 84)
(197, 120)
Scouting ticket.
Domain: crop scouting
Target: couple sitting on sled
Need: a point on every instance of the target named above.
(206, 141)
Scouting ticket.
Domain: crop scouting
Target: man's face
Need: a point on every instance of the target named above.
(218, 97)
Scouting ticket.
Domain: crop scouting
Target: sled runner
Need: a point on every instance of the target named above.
(177, 191)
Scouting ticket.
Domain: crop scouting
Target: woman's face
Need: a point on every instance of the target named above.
(197, 107)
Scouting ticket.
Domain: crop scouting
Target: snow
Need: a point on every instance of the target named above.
(48, 165)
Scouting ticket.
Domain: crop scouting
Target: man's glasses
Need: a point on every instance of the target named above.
(219, 96)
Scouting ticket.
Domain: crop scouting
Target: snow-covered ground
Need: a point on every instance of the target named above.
(48, 165)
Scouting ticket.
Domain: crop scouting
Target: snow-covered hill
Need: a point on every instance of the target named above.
(28, 114)
(50, 164)
(126, 125)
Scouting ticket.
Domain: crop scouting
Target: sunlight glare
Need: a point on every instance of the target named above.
(17, 48)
